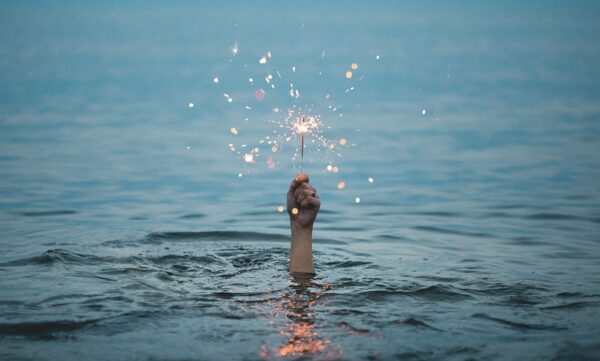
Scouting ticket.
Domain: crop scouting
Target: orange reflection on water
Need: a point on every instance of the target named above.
(302, 339)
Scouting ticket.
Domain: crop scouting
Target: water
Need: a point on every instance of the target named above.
(478, 238)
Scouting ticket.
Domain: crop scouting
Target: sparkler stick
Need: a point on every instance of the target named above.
(302, 149)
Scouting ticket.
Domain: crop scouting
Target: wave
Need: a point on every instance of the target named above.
(519, 325)
(42, 330)
(438, 293)
(453, 232)
(59, 212)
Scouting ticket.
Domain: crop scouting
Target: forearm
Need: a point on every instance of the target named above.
(301, 259)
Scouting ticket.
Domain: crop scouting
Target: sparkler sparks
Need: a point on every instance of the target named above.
(235, 49)
(294, 120)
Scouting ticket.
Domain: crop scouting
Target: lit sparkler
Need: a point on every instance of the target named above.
(302, 126)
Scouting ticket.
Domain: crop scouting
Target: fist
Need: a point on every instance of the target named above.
(302, 202)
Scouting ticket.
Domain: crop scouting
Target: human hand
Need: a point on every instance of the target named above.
(302, 202)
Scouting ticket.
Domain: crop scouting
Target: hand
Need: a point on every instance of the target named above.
(302, 197)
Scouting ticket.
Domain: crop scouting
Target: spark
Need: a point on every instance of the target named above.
(424, 111)
(235, 49)
(343, 141)
(341, 185)
(371, 180)
(249, 158)
(233, 131)
(357, 200)
(294, 211)
(354, 66)
(259, 94)
(348, 74)
(216, 80)
(377, 57)
(191, 105)
(280, 209)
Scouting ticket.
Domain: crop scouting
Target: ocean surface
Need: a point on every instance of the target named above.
(129, 229)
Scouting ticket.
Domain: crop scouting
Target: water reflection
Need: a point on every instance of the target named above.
(297, 309)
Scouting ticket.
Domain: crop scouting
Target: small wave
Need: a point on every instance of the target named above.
(43, 330)
(553, 217)
(572, 305)
(411, 321)
(519, 325)
(157, 237)
(435, 214)
(193, 216)
(452, 231)
(437, 293)
(53, 256)
(60, 212)
(353, 330)
(347, 264)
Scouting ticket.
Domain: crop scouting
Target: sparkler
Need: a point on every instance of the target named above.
(301, 126)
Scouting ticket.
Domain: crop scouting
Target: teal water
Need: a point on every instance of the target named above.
(127, 233)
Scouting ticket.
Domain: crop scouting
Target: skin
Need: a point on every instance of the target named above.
(303, 197)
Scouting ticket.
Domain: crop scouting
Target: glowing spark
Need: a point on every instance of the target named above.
(280, 209)
(377, 57)
(357, 200)
(335, 169)
(259, 94)
(191, 105)
(251, 81)
(348, 74)
(188, 147)
(354, 66)
(370, 180)
(329, 167)
(423, 111)
(294, 211)
(240, 175)
(233, 131)
(249, 158)
(341, 185)
(216, 80)
(265, 58)
(235, 49)
(343, 141)
(293, 69)
(228, 97)
(274, 149)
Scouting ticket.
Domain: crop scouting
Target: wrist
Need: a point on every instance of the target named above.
(300, 231)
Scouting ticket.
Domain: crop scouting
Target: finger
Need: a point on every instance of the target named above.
(301, 178)
(310, 202)
(300, 198)
(300, 189)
